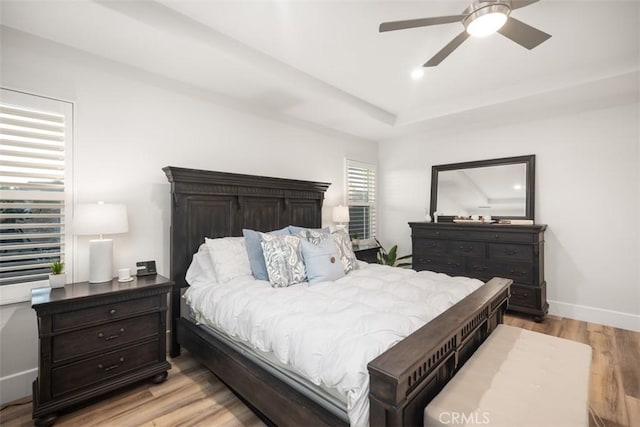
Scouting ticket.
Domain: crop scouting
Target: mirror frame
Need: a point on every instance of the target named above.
(529, 161)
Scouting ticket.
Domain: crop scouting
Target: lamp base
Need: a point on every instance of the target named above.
(100, 260)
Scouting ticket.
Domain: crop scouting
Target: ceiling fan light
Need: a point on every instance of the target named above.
(487, 20)
(486, 24)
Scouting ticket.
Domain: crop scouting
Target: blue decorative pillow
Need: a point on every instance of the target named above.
(283, 259)
(254, 251)
(295, 230)
(322, 261)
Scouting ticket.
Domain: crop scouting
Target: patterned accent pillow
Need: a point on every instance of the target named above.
(313, 236)
(348, 258)
(283, 259)
(254, 251)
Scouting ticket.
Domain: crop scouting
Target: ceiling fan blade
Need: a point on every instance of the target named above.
(517, 4)
(523, 34)
(424, 22)
(446, 51)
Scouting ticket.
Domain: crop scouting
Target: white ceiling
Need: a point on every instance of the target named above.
(324, 62)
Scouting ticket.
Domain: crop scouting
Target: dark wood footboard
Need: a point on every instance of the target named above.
(404, 379)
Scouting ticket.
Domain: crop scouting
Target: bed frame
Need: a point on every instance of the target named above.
(402, 380)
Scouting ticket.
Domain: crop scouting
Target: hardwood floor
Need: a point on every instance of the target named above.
(192, 396)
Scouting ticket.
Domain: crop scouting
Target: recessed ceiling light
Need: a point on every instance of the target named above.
(517, 187)
(417, 74)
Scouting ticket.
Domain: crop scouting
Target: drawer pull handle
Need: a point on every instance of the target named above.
(485, 268)
(112, 311)
(497, 236)
(519, 273)
(111, 337)
(510, 251)
(112, 367)
(466, 248)
(453, 264)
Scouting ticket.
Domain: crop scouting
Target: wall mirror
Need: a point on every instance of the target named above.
(502, 188)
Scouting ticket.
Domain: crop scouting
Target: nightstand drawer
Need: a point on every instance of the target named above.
(104, 313)
(104, 337)
(108, 365)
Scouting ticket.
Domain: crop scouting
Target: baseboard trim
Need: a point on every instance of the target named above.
(16, 386)
(617, 319)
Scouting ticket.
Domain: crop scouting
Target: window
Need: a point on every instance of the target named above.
(361, 199)
(35, 142)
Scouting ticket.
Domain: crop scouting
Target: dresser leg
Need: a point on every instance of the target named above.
(538, 319)
(45, 421)
(161, 377)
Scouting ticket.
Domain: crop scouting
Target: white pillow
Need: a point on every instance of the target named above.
(201, 271)
(229, 257)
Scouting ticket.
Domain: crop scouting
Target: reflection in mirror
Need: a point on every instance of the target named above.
(500, 188)
(495, 191)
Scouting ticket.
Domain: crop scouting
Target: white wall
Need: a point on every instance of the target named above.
(130, 124)
(587, 191)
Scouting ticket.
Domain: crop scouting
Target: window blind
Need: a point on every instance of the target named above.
(361, 199)
(32, 192)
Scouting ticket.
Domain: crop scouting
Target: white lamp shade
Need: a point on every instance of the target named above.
(100, 218)
(341, 214)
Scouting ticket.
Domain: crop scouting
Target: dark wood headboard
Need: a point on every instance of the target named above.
(218, 204)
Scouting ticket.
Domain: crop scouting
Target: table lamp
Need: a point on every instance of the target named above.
(340, 216)
(100, 219)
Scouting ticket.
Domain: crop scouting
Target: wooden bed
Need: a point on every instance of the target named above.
(402, 380)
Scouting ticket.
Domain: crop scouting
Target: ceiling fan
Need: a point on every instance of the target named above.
(481, 18)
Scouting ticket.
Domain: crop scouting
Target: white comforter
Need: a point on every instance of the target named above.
(330, 331)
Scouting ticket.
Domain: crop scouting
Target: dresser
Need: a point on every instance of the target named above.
(484, 251)
(95, 338)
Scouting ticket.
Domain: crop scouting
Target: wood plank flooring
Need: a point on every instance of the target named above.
(192, 396)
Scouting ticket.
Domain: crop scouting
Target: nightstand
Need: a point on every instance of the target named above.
(95, 338)
(367, 252)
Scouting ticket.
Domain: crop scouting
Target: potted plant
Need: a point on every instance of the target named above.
(355, 239)
(57, 277)
(391, 258)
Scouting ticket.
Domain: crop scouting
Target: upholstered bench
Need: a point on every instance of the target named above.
(517, 378)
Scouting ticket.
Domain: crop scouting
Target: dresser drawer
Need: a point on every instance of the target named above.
(509, 251)
(439, 264)
(501, 236)
(104, 337)
(104, 367)
(103, 313)
(467, 249)
(434, 233)
(523, 297)
(429, 246)
(485, 268)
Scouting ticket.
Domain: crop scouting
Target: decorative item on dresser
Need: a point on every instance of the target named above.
(95, 338)
(487, 250)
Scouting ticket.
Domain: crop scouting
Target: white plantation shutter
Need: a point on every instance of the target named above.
(361, 198)
(32, 186)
